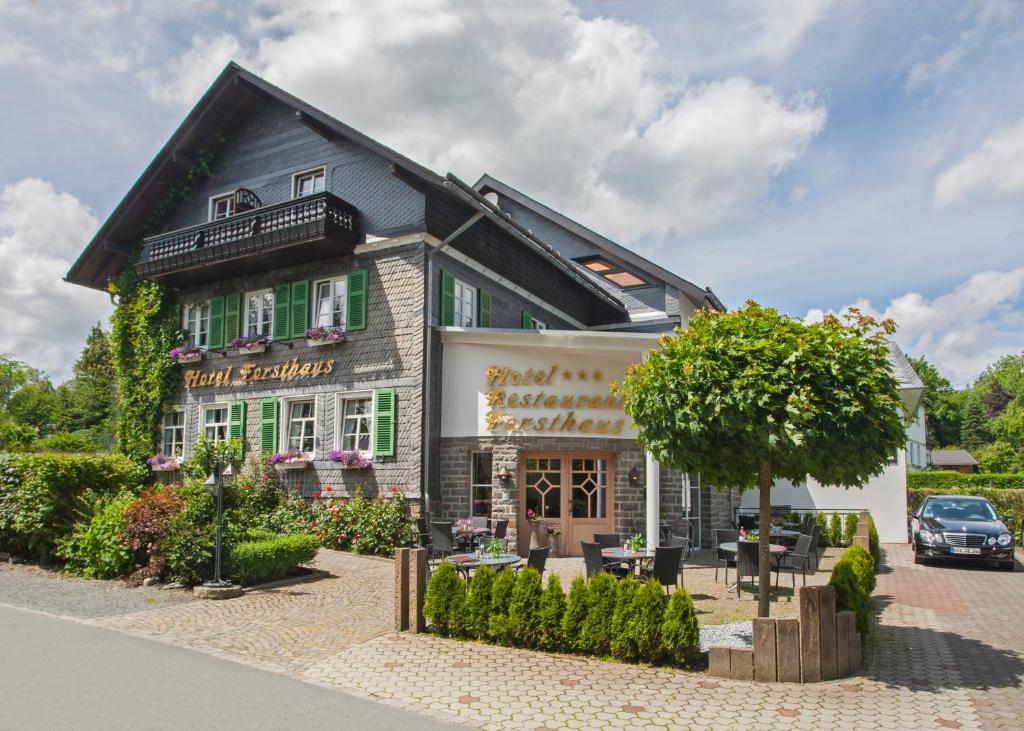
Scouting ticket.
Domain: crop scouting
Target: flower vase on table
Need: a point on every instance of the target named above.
(538, 531)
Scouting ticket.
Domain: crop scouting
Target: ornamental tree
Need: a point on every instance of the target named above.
(749, 396)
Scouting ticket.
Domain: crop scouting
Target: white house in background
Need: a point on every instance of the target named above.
(885, 496)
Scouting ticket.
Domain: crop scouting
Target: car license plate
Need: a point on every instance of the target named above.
(965, 551)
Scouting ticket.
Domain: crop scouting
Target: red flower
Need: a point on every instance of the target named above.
(328, 488)
(394, 489)
(313, 524)
(355, 537)
(316, 494)
(295, 486)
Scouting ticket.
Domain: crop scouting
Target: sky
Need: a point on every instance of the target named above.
(807, 154)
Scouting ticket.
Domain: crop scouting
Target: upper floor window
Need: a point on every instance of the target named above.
(356, 424)
(222, 206)
(308, 183)
(465, 305)
(215, 422)
(259, 313)
(301, 426)
(174, 433)
(196, 320)
(614, 273)
(330, 303)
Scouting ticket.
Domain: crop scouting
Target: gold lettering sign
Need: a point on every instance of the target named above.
(249, 373)
(501, 401)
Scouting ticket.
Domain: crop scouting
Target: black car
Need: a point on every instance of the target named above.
(955, 526)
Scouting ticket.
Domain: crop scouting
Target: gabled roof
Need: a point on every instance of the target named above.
(952, 457)
(911, 386)
(700, 297)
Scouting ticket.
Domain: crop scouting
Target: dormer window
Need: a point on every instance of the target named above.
(617, 275)
(308, 183)
(222, 206)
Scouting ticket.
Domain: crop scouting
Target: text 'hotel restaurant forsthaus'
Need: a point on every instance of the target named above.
(481, 328)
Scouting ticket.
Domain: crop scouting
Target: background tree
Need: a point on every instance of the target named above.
(88, 399)
(974, 427)
(996, 399)
(750, 396)
(942, 403)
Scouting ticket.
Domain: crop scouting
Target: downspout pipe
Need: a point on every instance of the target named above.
(428, 355)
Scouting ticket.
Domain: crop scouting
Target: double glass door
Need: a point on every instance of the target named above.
(570, 490)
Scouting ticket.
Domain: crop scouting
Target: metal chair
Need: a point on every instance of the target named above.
(798, 558)
(592, 558)
(666, 566)
(747, 563)
(424, 532)
(441, 541)
(724, 535)
(479, 521)
(815, 539)
(537, 559)
(683, 543)
(500, 528)
(611, 540)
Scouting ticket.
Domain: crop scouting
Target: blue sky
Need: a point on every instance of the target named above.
(809, 155)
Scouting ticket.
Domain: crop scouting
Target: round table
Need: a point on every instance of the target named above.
(628, 557)
(466, 561)
(776, 550)
(784, 533)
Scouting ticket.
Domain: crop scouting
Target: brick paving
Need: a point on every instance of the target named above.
(951, 660)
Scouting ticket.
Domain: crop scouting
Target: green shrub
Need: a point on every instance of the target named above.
(446, 593)
(43, 496)
(644, 626)
(97, 549)
(850, 595)
(375, 527)
(206, 453)
(499, 627)
(623, 646)
(943, 481)
(271, 558)
(549, 618)
(63, 441)
(189, 545)
(575, 614)
(835, 530)
(524, 608)
(680, 633)
(293, 515)
(850, 528)
(145, 529)
(819, 520)
(863, 567)
(1004, 500)
(477, 610)
(874, 544)
(596, 635)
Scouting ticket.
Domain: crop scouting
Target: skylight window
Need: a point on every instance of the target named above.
(612, 272)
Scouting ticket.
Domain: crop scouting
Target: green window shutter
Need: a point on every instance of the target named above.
(527, 320)
(384, 422)
(483, 303)
(355, 307)
(447, 299)
(236, 425)
(282, 299)
(232, 316)
(268, 426)
(300, 309)
(216, 323)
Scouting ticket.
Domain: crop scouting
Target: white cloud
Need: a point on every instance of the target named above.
(961, 331)
(998, 165)
(574, 111)
(43, 320)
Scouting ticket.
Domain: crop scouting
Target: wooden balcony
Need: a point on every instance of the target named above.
(311, 228)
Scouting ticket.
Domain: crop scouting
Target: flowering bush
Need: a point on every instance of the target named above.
(162, 461)
(248, 341)
(145, 529)
(289, 457)
(375, 527)
(330, 335)
(349, 458)
(183, 351)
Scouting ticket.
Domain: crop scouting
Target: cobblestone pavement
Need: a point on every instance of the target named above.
(944, 657)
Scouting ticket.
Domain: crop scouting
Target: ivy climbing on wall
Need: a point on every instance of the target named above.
(144, 326)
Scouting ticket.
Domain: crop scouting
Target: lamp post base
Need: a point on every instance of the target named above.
(212, 590)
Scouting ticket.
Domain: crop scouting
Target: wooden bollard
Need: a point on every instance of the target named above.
(787, 650)
(402, 589)
(765, 662)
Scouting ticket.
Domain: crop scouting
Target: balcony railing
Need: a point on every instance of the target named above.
(309, 218)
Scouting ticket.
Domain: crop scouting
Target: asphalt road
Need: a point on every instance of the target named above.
(59, 674)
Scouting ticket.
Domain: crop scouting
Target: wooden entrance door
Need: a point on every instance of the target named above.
(571, 489)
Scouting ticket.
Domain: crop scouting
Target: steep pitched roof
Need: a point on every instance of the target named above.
(700, 297)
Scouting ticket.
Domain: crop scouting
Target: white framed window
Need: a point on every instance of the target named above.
(222, 206)
(330, 303)
(196, 320)
(480, 484)
(465, 304)
(308, 183)
(539, 325)
(259, 313)
(300, 425)
(215, 422)
(355, 422)
(173, 443)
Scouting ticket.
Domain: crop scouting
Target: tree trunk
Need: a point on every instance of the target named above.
(764, 530)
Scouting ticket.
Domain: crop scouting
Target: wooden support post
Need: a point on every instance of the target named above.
(827, 610)
(846, 629)
(810, 635)
(787, 650)
(401, 589)
(417, 588)
(741, 663)
(765, 663)
(718, 662)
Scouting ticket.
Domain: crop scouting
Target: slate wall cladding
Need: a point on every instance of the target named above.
(267, 149)
(389, 353)
(453, 470)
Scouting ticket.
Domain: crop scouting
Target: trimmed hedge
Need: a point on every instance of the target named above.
(1005, 502)
(97, 550)
(43, 495)
(853, 576)
(627, 619)
(946, 480)
(270, 557)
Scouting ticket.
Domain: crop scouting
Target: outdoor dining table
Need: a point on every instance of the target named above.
(464, 562)
(629, 557)
(776, 552)
(468, 534)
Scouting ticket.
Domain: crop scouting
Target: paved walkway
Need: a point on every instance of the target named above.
(947, 654)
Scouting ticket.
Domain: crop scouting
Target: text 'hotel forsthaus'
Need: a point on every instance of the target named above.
(467, 334)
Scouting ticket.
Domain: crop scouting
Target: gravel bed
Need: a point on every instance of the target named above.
(733, 634)
(31, 587)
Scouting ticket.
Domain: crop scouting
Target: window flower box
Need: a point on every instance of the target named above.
(162, 463)
(185, 354)
(290, 460)
(350, 459)
(317, 336)
(250, 344)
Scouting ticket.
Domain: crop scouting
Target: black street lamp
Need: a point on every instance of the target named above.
(215, 480)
